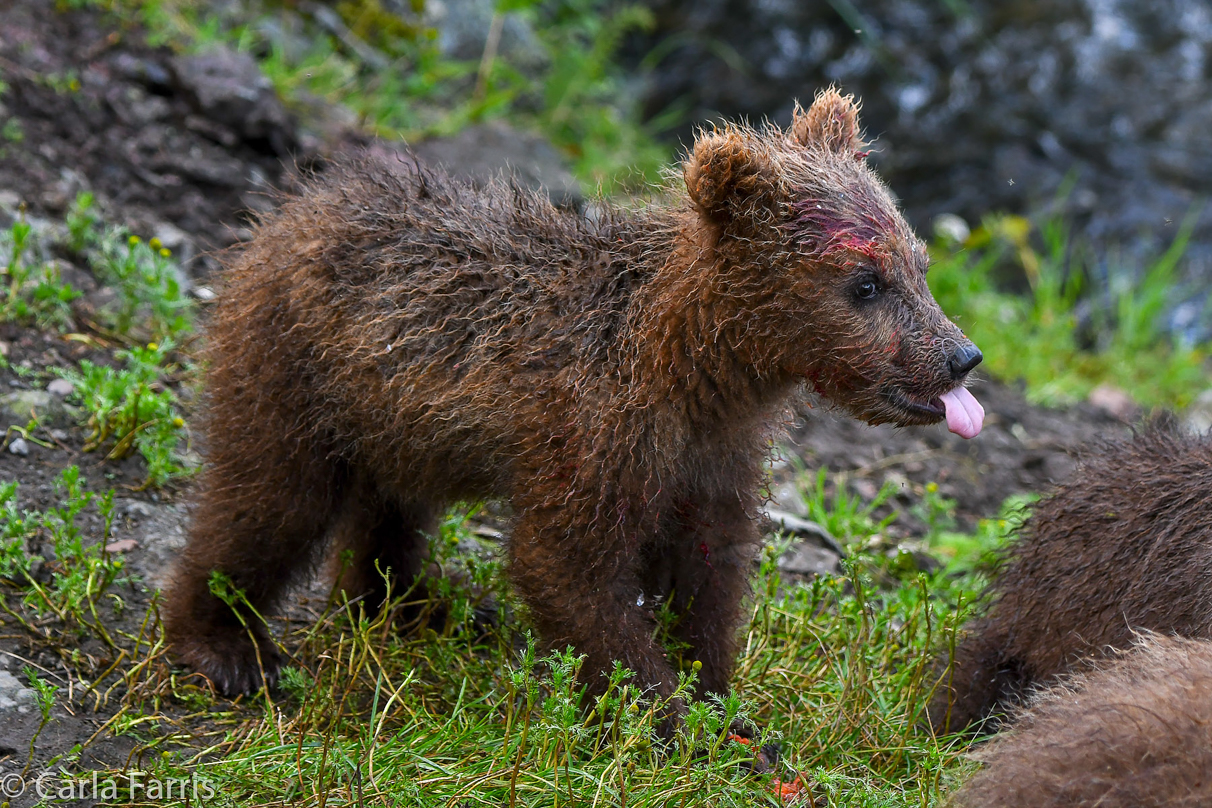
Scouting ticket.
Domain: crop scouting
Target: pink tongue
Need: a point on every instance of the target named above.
(965, 415)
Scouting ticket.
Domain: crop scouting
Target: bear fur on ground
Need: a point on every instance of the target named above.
(1124, 545)
(1134, 733)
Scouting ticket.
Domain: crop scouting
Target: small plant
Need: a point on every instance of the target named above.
(44, 695)
(843, 514)
(82, 222)
(33, 289)
(150, 300)
(15, 526)
(80, 575)
(134, 408)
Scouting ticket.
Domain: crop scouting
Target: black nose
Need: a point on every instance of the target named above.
(965, 358)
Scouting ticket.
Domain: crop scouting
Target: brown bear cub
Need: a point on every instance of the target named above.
(394, 341)
(1135, 733)
(1125, 545)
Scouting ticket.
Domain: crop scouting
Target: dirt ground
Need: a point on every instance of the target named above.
(98, 110)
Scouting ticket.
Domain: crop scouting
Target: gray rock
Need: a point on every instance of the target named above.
(491, 149)
(227, 86)
(19, 446)
(160, 532)
(788, 498)
(13, 694)
(1198, 416)
(16, 408)
(60, 388)
(135, 507)
(810, 559)
(790, 523)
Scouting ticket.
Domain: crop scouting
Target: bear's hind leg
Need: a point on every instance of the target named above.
(261, 521)
(373, 528)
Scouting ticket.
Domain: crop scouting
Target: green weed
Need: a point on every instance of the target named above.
(150, 303)
(1035, 337)
(843, 514)
(80, 576)
(133, 409)
(44, 695)
(33, 291)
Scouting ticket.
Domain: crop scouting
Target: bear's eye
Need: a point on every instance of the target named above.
(867, 289)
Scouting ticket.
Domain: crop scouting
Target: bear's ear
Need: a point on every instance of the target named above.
(831, 122)
(731, 179)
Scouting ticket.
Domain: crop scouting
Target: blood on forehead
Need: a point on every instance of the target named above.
(827, 233)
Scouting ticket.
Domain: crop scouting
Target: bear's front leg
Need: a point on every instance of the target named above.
(710, 555)
(580, 581)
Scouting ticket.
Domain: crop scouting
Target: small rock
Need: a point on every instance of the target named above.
(787, 496)
(228, 86)
(898, 481)
(951, 228)
(865, 488)
(1197, 418)
(13, 693)
(61, 388)
(121, 546)
(18, 446)
(1114, 402)
(21, 404)
(809, 559)
(791, 523)
(136, 507)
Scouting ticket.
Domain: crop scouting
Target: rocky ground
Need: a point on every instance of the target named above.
(187, 149)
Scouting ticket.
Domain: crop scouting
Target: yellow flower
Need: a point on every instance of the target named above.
(133, 240)
(178, 422)
(155, 243)
(932, 488)
(164, 252)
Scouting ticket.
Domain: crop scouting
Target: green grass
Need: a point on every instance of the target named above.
(453, 713)
(838, 671)
(1035, 337)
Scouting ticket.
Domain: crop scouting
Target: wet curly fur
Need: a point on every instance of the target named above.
(1135, 733)
(393, 341)
(1125, 545)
